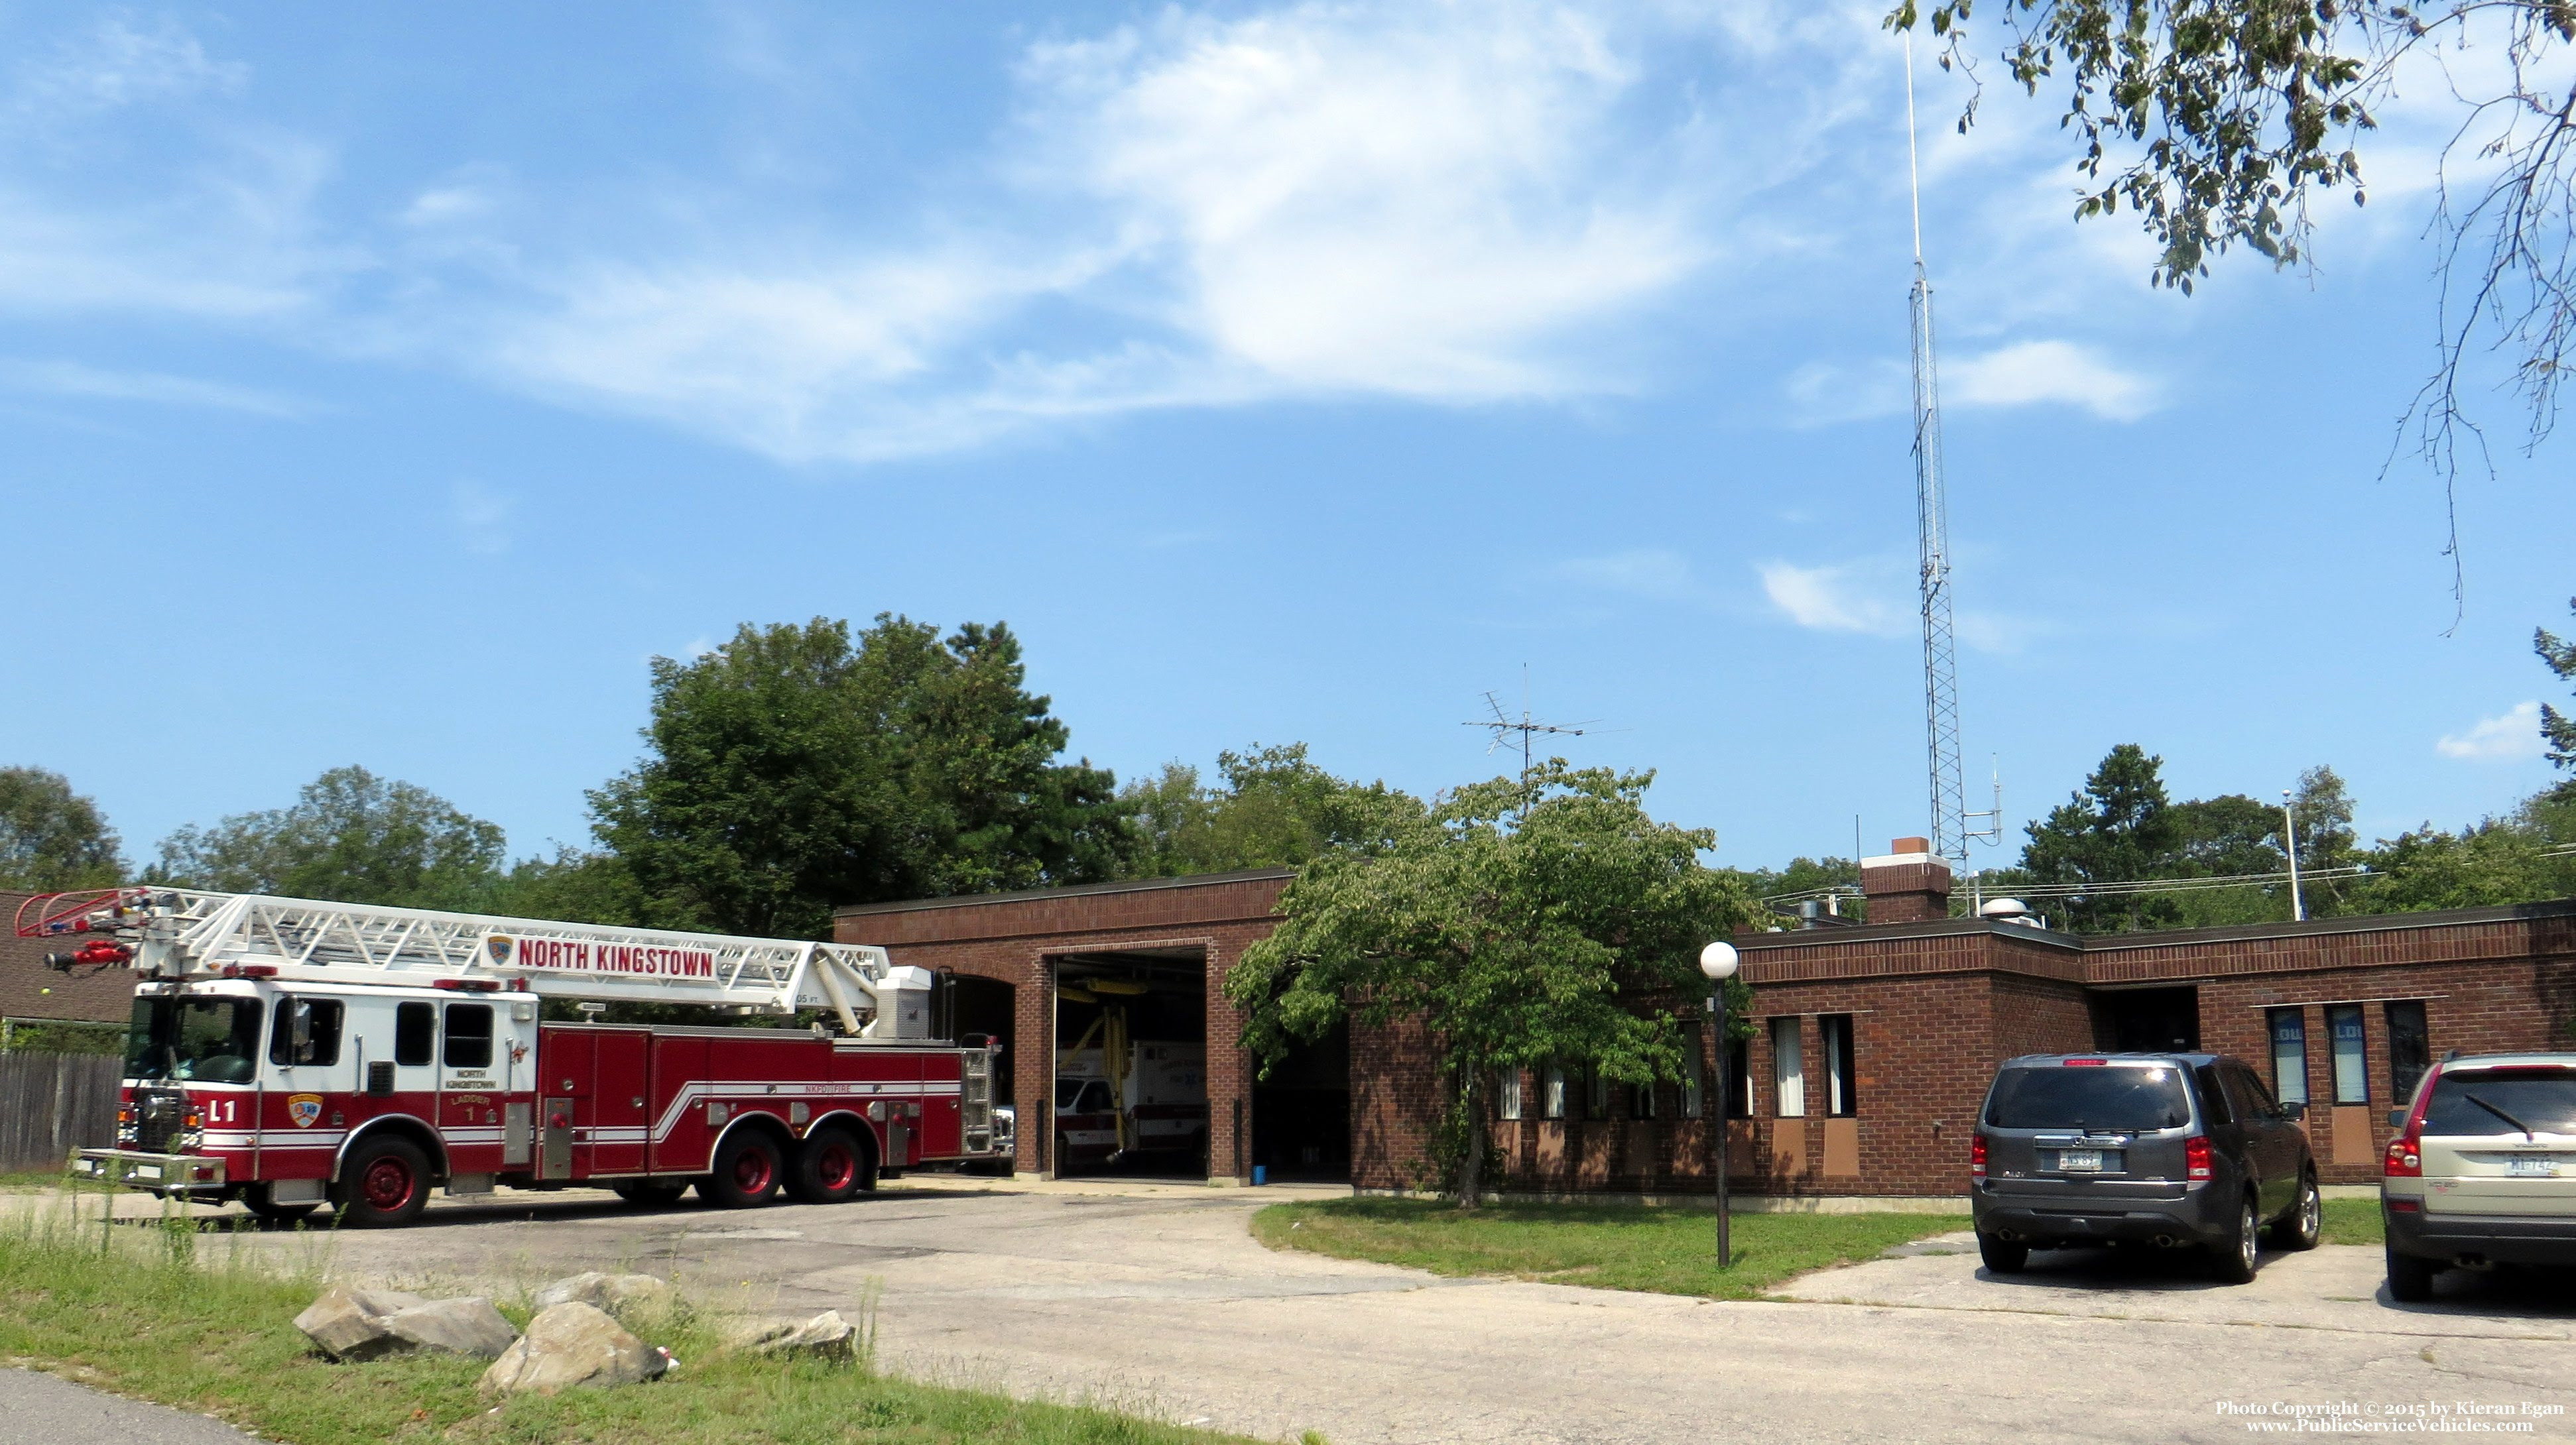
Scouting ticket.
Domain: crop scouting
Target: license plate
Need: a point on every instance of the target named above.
(2079, 1161)
(147, 1171)
(2540, 1168)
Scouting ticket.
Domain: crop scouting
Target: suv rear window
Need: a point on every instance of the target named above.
(2543, 1099)
(2109, 1096)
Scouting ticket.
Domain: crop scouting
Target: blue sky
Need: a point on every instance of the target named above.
(388, 386)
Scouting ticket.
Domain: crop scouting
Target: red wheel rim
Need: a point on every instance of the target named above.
(751, 1171)
(838, 1167)
(387, 1184)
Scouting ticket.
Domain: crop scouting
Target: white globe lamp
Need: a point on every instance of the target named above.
(1719, 962)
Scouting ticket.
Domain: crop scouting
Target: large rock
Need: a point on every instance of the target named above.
(826, 1336)
(573, 1345)
(351, 1324)
(457, 1326)
(628, 1297)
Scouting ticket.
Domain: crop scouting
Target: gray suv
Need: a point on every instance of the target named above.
(2174, 1150)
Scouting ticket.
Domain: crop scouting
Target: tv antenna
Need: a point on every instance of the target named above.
(1502, 725)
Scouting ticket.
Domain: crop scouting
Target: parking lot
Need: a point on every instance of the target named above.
(1154, 1297)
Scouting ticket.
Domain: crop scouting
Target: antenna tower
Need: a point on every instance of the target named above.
(1932, 526)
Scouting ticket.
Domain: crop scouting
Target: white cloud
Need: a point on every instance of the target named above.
(2023, 373)
(71, 379)
(1834, 599)
(1652, 572)
(2032, 372)
(119, 63)
(1434, 203)
(2512, 737)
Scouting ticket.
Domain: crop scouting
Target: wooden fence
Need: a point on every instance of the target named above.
(51, 1104)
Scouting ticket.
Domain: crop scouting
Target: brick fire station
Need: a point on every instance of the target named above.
(1871, 1049)
(1870, 1052)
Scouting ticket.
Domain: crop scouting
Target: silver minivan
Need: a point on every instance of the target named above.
(2483, 1169)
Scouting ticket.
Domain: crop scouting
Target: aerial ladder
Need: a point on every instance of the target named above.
(177, 934)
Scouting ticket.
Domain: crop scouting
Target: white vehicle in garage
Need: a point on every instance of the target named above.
(2482, 1171)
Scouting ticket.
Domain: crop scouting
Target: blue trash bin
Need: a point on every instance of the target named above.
(1260, 1173)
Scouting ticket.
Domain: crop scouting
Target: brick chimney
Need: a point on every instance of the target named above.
(1907, 884)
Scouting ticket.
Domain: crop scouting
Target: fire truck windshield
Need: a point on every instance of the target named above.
(208, 1040)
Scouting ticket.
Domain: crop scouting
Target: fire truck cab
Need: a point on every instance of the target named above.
(291, 1054)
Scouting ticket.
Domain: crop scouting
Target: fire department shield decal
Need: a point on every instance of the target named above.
(499, 946)
(304, 1109)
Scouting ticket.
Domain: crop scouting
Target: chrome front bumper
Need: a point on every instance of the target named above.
(160, 1173)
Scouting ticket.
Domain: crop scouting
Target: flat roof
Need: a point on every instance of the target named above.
(2166, 938)
(1070, 890)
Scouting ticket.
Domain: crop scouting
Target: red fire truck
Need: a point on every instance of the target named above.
(289, 1054)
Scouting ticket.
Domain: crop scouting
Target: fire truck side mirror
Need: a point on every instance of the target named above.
(303, 1030)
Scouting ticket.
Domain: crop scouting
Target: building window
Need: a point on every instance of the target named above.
(1842, 1080)
(2289, 1029)
(1507, 1094)
(1694, 1074)
(2410, 1049)
(1739, 1078)
(1552, 1092)
(1641, 1100)
(1596, 1093)
(2351, 1060)
(1788, 1069)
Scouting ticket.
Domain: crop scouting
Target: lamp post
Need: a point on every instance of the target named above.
(1719, 962)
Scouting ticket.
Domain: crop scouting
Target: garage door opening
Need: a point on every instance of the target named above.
(1131, 1064)
(969, 1008)
(1301, 1113)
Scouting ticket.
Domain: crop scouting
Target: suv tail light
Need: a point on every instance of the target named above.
(2405, 1156)
(1977, 1155)
(2195, 1159)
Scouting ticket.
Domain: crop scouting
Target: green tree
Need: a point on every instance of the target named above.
(794, 769)
(1274, 809)
(2555, 728)
(51, 838)
(351, 837)
(2219, 123)
(573, 885)
(1515, 922)
(2117, 828)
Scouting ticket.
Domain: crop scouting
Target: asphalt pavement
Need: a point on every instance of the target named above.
(1155, 1299)
(42, 1410)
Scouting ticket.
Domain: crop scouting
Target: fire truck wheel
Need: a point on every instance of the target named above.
(651, 1193)
(255, 1197)
(746, 1172)
(831, 1167)
(386, 1182)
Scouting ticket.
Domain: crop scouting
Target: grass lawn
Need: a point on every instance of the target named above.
(2354, 1221)
(1665, 1250)
(161, 1316)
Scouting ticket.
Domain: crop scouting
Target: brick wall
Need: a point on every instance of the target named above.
(1012, 938)
(1935, 1005)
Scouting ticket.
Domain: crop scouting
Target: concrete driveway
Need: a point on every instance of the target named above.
(1156, 1299)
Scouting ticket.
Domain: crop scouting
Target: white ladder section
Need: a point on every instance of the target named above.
(184, 932)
